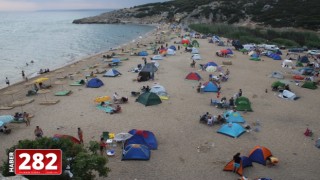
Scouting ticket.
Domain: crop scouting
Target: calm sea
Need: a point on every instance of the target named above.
(51, 40)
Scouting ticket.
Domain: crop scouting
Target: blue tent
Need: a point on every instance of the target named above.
(116, 60)
(143, 137)
(94, 83)
(136, 152)
(233, 117)
(143, 53)
(4, 119)
(112, 73)
(232, 129)
(275, 56)
(210, 64)
(303, 59)
(229, 51)
(173, 47)
(246, 162)
(215, 38)
(255, 56)
(279, 52)
(210, 87)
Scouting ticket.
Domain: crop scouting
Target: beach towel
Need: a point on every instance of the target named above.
(76, 83)
(63, 93)
(107, 109)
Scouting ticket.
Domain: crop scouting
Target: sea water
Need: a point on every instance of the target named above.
(50, 40)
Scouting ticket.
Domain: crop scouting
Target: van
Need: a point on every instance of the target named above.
(271, 47)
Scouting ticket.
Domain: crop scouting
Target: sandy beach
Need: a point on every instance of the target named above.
(187, 149)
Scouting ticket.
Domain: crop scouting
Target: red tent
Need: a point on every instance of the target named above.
(193, 76)
(185, 41)
(73, 139)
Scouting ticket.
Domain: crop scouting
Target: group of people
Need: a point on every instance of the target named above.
(22, 117)
(210, 119)
(42, 71)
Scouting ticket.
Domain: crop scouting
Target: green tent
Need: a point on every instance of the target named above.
(309, 85)
(243, 50)
(149, 99)
(255, 59)
(243, 104)
(277, 84)
(195, 43)
(299, 64)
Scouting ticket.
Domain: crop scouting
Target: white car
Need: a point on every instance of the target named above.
(314, 52)
(196, 57)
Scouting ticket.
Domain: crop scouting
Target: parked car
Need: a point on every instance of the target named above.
(314, 52)
(296, 50)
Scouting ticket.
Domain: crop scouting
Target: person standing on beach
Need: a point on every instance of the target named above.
(240, 93)
(102, 145)
(26, 118)
(236, 163)
(7, 81)
(80, 135)
(38, 132)
(23, 75)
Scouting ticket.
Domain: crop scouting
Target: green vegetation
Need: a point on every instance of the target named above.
(248, 35)
(281, 13)
(85, 164)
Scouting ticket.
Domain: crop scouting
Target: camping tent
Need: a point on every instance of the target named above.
(287, 63)
(144, 76)
(233, 117)
(277, 74)
(112, 73)
(278, 84)
(303, 59)
(173, 47)
(195, 51)
(285, 94)
(309, 85)
(195, 43)
(318, 143)
(221, 43)
(210, 64)
(243, 104)
(231, 129)
(142, 53)
(215, 38)
(245, 162)
(149, 99)
(136, 152)
(193, 76)
(143, 137)
(210, 87)
(157, 57)
(196, 57)
(275, 56)
(149, 67)
(157, 89)
(185, 41)
(171, 52)
(63, 136)
(94, 83)
(259, 154)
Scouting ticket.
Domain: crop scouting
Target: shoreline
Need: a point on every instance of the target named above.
(83, 58)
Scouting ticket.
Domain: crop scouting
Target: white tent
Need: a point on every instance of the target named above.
(157, 57)
(288, 95)
(171, 52)
(157, 89)
(195, 51)
(196, 57)
(277, 74)
(287, 64)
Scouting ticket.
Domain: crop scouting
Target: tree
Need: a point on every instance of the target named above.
(84, 164)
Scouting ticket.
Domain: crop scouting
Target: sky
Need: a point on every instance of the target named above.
(33, 5)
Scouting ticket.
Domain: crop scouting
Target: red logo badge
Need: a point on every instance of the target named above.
(38, 161)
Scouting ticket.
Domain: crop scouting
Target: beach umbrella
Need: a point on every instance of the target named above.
(11, 92)
(5, 119)
(44, 91)
(102, 99)
(40, 80)
(211, 69)
(122, 136)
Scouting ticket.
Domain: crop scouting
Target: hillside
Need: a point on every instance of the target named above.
(274, 13)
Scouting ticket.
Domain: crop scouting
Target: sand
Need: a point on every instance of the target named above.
(187, 148)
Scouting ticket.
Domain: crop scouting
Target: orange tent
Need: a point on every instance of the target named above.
(245, 162)
(259, 154)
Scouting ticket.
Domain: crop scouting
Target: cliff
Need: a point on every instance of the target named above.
(274, 13)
